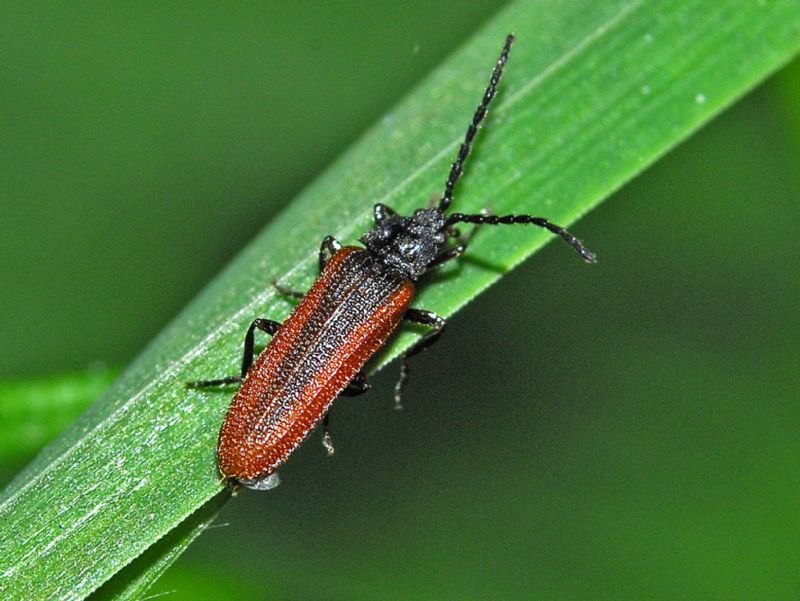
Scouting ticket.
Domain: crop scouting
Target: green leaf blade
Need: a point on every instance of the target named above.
(34, 411)
(594, 92)
(132, 582)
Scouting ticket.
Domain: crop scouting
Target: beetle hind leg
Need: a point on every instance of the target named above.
(287, 291)
(197, 384)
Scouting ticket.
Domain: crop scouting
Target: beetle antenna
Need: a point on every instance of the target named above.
(484, 219)
(480, 113)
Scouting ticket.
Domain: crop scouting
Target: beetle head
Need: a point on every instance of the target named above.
(407, 244)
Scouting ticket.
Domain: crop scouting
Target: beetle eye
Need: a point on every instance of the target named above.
(387, 231)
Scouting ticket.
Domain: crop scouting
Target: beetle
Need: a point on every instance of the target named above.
(360, 297)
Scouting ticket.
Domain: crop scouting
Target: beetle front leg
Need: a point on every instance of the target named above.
(457, 250)
(381, 212)
(265, 325)
(427, 318)
(447, 255)
(329, 247)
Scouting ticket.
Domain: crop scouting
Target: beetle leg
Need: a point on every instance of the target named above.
(444, 256)
(454, 232)
(327, 249)
(455, 251)
(211, 383)
(381, 211)
(358, 386)
(327, 441)
(265, 325)
(427, 318)
(287, 291)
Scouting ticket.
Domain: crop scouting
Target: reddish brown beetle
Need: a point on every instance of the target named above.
(360, 297)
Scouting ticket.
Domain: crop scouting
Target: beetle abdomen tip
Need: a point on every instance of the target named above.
(266, 482)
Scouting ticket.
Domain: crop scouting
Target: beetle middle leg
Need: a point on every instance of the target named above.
(287, 291)
(357, 386)
(265, 325)
(327, 441)
(426, 318)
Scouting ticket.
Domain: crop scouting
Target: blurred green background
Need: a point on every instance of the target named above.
(624, 431)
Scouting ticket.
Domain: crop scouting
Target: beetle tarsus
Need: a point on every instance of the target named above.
(327, 439)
